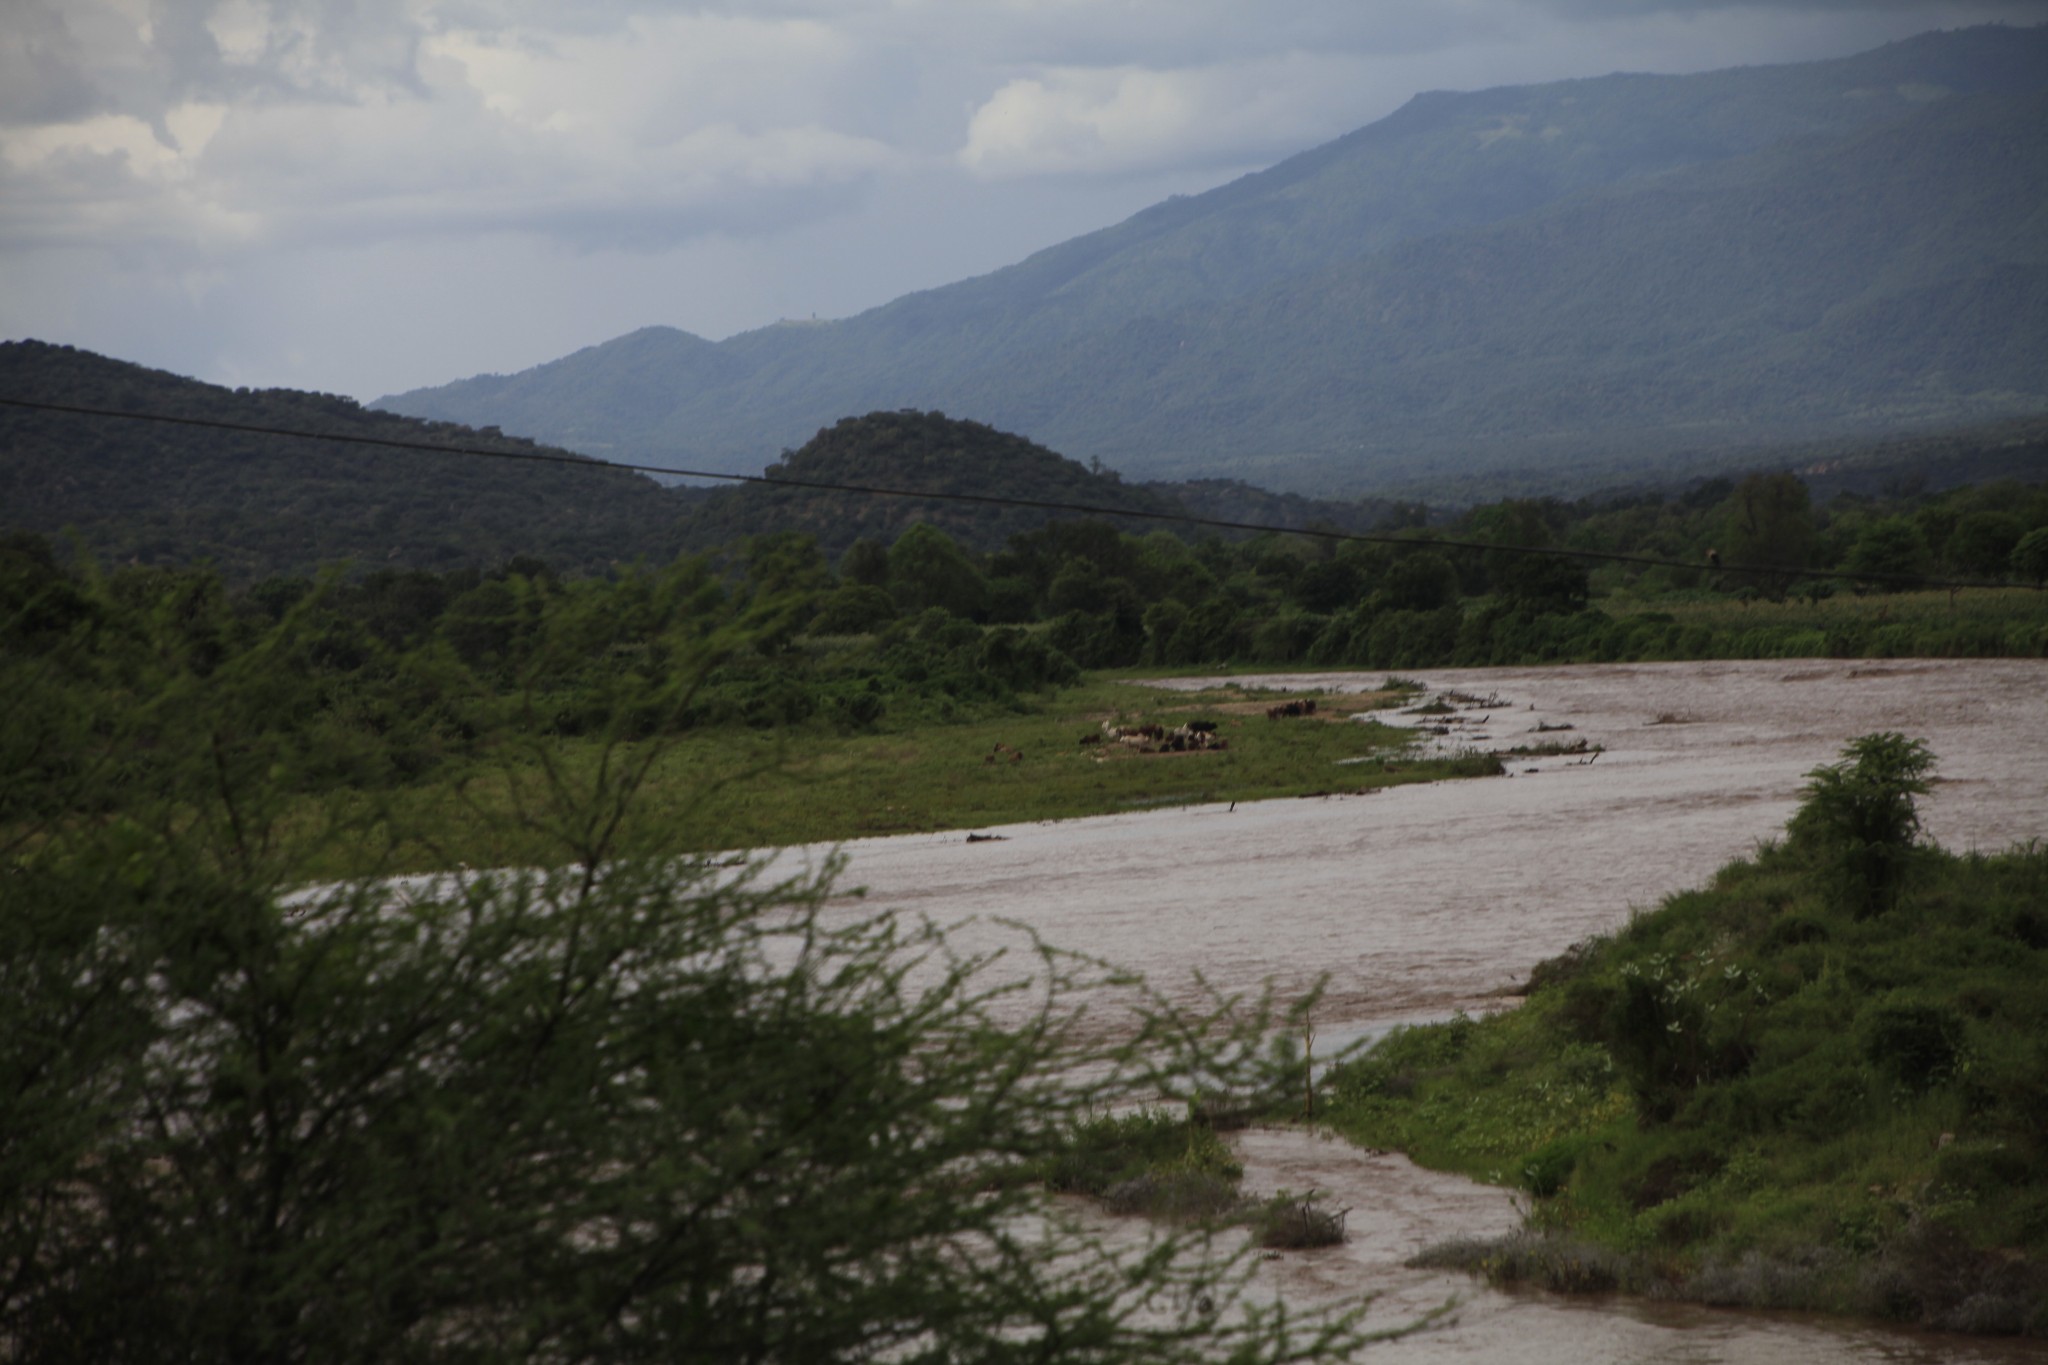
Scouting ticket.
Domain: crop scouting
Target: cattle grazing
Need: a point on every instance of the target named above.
(1157, 739)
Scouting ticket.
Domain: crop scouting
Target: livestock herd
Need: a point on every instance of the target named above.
(1195, 736)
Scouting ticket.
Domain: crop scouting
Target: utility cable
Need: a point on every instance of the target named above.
(996, 500)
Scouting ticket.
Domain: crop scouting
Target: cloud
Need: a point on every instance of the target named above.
(639, 131)
(1112, 121)
(166, 165)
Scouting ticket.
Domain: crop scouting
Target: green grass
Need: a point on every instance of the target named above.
(733, 788)
(1978, 622)
(1755, 1095)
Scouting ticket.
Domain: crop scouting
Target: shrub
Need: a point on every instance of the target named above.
(1290, 1223)
(1917, 1045)
(1860, 820)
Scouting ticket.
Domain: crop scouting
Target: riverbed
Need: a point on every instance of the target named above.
(1415, 902)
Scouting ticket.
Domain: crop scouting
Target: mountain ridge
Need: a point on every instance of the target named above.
(1008, 346)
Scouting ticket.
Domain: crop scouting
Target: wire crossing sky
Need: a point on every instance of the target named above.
(1079, 509)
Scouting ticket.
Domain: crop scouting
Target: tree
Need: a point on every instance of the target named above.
(2030, 556)
(1889, 553)
(1860, 820)
(1420, 580)
(1767, 531)
(865, 562)
(926, 569)
(1536, 583)
(1982, 543)
(628, 1108)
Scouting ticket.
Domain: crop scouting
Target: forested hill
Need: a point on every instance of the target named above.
(260, 505)
(1588, 282)
(924, 452)
(929, 452)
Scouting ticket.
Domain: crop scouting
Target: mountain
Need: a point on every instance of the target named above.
(257, 505)
(1575, 282)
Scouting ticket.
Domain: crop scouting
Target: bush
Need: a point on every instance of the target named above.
(1860, 820)
(1290, 1223)
(1917, 1045)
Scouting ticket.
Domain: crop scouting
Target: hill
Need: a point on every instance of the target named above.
(1580, 283)
(927, 452)
(931, 453)
(260, 505)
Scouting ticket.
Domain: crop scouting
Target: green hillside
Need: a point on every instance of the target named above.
(925, 452)
(1589, 277)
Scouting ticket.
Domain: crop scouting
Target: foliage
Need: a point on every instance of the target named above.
(617, 1106)
(1887, 553)
(1859, 817)
(2030, 556)
(438, 730)
(1770, 525)
(1760, 1093)
(1982, 543)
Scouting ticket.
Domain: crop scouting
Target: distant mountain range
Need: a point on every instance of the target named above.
(1546, 287)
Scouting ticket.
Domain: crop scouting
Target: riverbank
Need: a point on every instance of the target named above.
(1102, 747)
(1792, 1088)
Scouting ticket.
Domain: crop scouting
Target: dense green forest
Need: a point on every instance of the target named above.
(1749, 567)
(1818, 1082)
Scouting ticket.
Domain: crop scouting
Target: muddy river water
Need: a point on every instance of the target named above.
(1419, 901)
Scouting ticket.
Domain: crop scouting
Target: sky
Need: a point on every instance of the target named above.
(368, 196)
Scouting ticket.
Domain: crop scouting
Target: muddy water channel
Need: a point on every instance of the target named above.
(1419, 901)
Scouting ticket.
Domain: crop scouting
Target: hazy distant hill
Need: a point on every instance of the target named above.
(1585, 278)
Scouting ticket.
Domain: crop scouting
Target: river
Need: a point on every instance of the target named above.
(1415, 902)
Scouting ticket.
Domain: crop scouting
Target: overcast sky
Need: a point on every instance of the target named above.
(365, 196)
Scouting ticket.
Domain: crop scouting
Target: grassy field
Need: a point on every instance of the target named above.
(727, 789)
(1994, 621)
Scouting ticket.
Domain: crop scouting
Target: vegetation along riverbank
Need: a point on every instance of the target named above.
(622, 1104)
(1819, 1082)
(410, 724)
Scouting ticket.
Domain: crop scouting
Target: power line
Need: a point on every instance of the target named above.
(985, 499)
